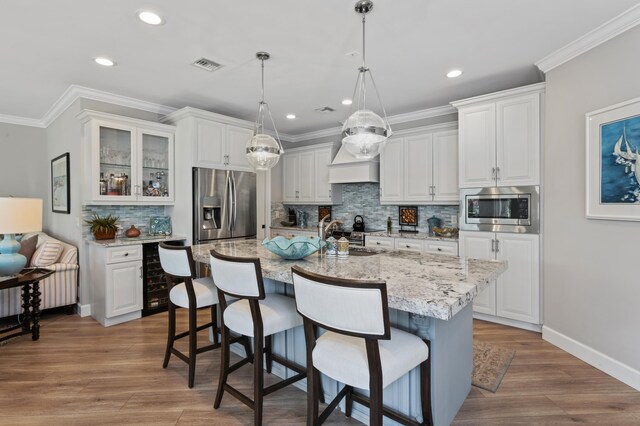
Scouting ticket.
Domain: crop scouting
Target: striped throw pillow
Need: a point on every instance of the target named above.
(47, 254)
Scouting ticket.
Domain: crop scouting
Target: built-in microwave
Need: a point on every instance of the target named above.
(501, 209)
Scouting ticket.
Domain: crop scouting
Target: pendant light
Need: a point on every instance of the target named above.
(263, 151)
(365, 133)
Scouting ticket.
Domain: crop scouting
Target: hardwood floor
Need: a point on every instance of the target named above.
(80, 373)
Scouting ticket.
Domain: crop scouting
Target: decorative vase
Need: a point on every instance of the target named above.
(105, 235)
(132, 232)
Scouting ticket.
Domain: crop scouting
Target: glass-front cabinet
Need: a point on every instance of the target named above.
(127, 161)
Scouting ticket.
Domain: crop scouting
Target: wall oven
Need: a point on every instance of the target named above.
(501, 209)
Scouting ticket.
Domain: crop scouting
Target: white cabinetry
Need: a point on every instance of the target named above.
(414, 245)
(127, 161)
(499, 138)
(515, 295)
(221, 146)
(305, 176)
(293, 232)
(116, 274)
(420, 168)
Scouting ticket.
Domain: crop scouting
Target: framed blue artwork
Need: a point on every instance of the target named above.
(613, 162)
(160, 225)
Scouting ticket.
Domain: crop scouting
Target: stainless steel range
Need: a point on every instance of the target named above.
(356, 238)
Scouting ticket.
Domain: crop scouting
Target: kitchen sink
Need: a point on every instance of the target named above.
(353, 252)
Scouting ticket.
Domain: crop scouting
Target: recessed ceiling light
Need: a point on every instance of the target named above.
(454, 73)
(347, 102)
(291, 116)
(150, 18)
(105, 62)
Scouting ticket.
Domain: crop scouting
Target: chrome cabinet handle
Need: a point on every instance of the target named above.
(378, 242)
(493, 246)
(493, 173)
(408, 246)
(126, 254)
(439, 249)
(497, 246)
(497, 173)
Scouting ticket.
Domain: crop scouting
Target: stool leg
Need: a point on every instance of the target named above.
(425, 392)
(258, 377)
(375, 409)
(267, 341)
(348, 402)
(247, 346)
(172, 334)
(214, 323)
(224, 365)
(313, 377)
(193, 345)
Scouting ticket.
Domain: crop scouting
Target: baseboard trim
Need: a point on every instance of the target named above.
(511, 323)
(603, 362)
(83, 310)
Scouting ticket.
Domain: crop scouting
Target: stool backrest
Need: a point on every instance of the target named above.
(177, 260)
(352, 307)
(237, 276)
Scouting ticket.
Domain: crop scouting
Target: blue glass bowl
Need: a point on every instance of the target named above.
(292, 249)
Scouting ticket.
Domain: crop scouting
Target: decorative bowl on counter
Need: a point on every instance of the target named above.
(446, 232)
(293, 249)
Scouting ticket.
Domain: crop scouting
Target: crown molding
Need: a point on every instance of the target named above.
(75, 92)
(532, 88)
(21, 121)
(610, 29)
(394, 119)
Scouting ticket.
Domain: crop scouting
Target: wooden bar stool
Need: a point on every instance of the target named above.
(256, 315)
(359, 349)
(178, 265)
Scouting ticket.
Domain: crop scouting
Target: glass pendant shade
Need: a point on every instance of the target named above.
(364, 134)
(263, 152)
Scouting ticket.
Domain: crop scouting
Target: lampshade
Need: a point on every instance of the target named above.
(20, 215)
(263, 152)
(365, 134)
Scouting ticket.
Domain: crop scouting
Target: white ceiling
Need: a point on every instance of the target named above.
(49, 45)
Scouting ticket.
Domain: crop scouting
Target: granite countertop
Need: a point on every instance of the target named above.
(433, 285)
(132, 241)
(296, 228)
(411, 235)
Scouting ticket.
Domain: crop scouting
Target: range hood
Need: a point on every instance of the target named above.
(345, 168)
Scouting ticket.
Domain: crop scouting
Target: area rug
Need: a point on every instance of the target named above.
(490, 363)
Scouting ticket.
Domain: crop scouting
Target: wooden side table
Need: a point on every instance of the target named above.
(29, 279)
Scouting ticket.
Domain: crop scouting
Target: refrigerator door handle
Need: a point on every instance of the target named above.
(235, 201)
(229, 190)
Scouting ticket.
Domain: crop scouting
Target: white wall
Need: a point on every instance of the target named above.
(591, 281)
(24, 170)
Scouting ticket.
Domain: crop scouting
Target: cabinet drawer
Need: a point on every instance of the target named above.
(441, 247)
(406, 244)
(124, 253)
(381, 242)
(291, 234)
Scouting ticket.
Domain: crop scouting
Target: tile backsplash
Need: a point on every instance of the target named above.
(364, 199)
(128, 215)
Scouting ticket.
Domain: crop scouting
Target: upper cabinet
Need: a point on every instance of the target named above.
(305, 176)
(221, 146)
(499, 138)
(127, 161)
(420, 168)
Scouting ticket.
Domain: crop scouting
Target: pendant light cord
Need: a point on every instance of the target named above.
(363, 70)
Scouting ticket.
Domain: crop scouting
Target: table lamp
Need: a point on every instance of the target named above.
(17, 216)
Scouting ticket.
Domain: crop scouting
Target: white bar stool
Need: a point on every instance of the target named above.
(178, 265)
(359, 349)
(256, 315)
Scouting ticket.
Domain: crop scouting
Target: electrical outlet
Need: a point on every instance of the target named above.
(454, 219)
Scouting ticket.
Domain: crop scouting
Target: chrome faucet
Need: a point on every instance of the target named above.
(324, 230)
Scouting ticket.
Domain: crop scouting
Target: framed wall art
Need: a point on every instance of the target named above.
(60, 189)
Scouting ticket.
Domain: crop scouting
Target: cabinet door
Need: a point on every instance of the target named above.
(307, 177)
(290, 167)
(124, 288)
(518, 291)
(477, 144)
(322, 185)
(237, 138)
(391, 171)
(445, 166)
(114, 159)
(418, 168)
(479, 245)
(156, 166)
(518, 140)
(210, 144)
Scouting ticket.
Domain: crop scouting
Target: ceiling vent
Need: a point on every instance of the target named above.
(206, 64)
(324, 109)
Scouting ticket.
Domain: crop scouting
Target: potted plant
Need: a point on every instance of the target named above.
(103, 227)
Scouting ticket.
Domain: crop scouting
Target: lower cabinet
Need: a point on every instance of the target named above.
(291, 233)
(515, 295)
(116, 274)
(415, 245)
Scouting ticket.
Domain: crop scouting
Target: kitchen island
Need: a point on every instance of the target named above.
(429, 295)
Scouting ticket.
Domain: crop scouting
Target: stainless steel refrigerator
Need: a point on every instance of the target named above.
(224, 205)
